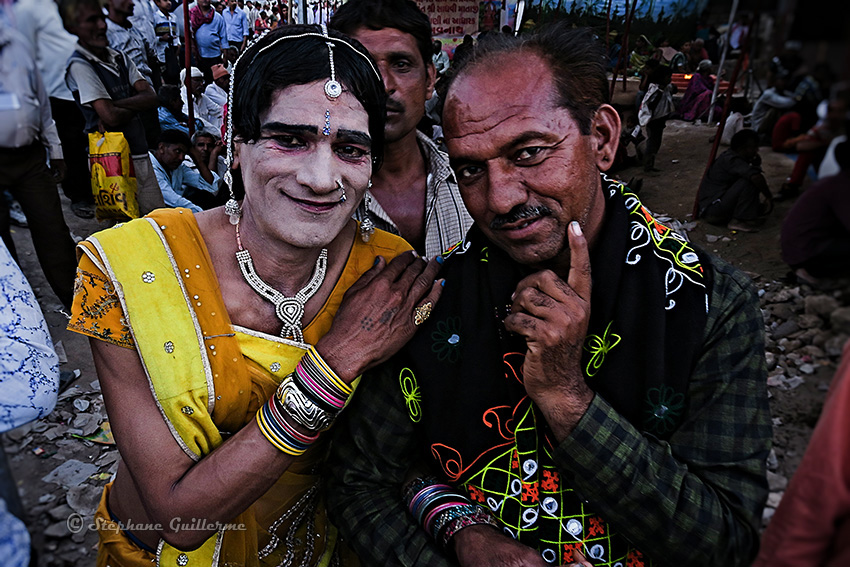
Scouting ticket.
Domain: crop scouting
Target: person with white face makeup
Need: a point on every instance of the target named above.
(227, 341)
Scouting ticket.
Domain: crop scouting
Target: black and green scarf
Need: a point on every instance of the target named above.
(461, 375)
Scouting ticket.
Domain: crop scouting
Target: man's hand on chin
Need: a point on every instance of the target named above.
(553, 316)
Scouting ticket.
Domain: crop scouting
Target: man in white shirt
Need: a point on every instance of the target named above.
(217, 90)
(28, 138)
(176, 180)
(39, 22)
(205, 109)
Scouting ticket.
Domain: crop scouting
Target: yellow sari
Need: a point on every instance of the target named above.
(209, 378)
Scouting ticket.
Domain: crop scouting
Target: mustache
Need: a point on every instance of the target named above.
(395, 106)
(518, 213)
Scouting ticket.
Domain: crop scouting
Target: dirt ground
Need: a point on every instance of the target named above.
(37, 450)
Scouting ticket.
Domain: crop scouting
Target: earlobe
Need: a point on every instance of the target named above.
(432, 80)
(606, 134)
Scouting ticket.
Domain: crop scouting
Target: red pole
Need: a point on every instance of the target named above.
(187, 57)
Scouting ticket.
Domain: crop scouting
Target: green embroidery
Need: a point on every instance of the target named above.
(598, 347)
(485, 254)
(412, 396)
(446, 339)
(665, 407)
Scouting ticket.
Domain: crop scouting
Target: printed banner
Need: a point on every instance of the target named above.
(451, 17)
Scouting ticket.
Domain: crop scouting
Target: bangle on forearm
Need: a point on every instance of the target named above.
(435, 505)
(320, 383)
(313, 395)
(280, 432)
(480, 517)
(300, 407)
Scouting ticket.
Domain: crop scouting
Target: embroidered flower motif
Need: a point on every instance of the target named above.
(665, 407)
(187, 410)
(412, 396)
(169, 347)
(148, 277)
(598, 347)
(447, 340)
(274, 366)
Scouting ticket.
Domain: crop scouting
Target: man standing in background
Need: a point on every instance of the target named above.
(39, 22)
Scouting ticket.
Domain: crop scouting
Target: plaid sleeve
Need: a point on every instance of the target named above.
(697, 499)
(373, 447)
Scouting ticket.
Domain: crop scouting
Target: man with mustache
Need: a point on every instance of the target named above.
(591, 387)
(414, 194)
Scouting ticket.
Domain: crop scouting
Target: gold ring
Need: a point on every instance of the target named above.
(421, 313)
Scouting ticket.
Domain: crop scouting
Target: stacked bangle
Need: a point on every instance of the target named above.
(441, 511)
(313, 395)
(279, 432)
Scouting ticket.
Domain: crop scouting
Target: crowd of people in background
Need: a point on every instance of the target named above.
(129, 67)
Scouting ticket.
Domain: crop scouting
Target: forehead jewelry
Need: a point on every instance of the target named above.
(327, 129)
(333, 89)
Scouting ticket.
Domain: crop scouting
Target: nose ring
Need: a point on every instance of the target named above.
(342, 190)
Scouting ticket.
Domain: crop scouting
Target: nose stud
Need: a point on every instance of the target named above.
(342, 190)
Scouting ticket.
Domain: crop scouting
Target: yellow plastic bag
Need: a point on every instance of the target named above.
(113, 178)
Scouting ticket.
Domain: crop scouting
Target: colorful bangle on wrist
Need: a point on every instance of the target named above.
(434, 505)
(279, 432)
(313, 395)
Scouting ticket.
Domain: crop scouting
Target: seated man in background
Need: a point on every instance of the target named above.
(170, 111)
(816, 231)
(205, 109)
(730, 191)
(210, 150)
(176, 181)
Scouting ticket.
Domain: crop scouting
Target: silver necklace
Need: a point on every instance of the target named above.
(290, 310)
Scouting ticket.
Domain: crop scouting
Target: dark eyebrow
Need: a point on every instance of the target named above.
(354, 136)
(288, 128)
(511, 145)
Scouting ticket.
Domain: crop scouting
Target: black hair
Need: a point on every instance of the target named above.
(574, 56)
(175, 137)
(203, 134)
(660, 74)
(299, 61)
(68, 10)
(168, 94)
(403, 15)
(742, 138)
(842, 155)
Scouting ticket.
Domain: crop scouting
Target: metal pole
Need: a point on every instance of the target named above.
(722, 60)
(187, 59)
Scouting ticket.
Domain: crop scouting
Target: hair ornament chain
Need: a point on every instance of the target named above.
(332, 86)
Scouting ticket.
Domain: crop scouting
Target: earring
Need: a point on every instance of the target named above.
(367, 227)
(232, 208)
(342, 197)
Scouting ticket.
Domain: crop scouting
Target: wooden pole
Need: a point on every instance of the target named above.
(720, 126)
(626, 42)
(723, 60)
